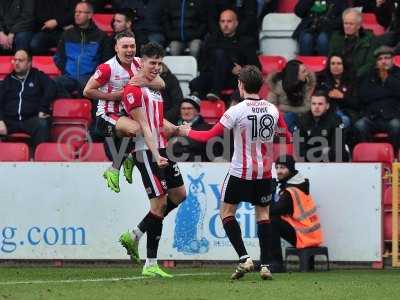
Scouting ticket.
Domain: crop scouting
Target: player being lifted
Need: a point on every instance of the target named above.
(161, 178)
(254, 122)
(107, 85)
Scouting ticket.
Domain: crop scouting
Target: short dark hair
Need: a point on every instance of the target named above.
(152, 50)
(28, 53)
(251, 78)
(320, 93)
(127, 12)
(88, 4)
(124, 34)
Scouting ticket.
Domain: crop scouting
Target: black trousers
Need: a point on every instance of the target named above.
(37, 128)
(280, 229)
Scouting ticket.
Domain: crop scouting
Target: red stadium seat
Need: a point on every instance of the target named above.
(373, 152)
(6, 66)
(73, 135)
(281, 149)
(397, 60)
(72, 111)
(54, 152)
(270, 64)
(286, 6)
(263, 93)
(14, 152)
(46, 65)
(212, 111)
(370, 22)
(103, 21)
(313, 63)
(93, 152)
(18, 137)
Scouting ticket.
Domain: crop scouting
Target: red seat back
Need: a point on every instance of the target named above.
(313, 63)
(6, 66)
(46, 65)
(72, 111)
(103, 21)
(286, 6)
(14, 152)
(397, 60)
(373, 152)
(73, 135)
(92, 152)
(270, 63)
(212, 111)
(54, 152)
(370, 22)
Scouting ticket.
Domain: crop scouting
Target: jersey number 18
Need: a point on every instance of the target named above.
(261, 128)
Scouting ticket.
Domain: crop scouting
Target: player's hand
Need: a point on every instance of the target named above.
(184, 130)
(50, 24)
(162, 162)
(138, 80)
(3, 128)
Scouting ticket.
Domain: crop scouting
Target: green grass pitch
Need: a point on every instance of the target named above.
(193, 283)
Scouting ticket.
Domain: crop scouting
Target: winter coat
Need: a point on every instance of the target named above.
(383, 13)
(23, 99)
(60, 10)
(80, 51)
(362, 56)
(184, 20)
(381, 99)
(16, 15)
(278, 97)
(312, 22)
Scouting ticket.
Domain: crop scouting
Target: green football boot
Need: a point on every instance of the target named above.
(155, 271)
(131, 246)
(128, 168)
(112, 178)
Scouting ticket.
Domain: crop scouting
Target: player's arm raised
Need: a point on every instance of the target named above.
(98, 79)
(139, 79)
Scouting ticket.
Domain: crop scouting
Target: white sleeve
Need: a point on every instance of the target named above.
(228, 120)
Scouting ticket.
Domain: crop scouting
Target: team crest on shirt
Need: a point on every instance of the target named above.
(130, 98)
(97, 74)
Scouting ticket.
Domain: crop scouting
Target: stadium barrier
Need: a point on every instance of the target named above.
(64, 211)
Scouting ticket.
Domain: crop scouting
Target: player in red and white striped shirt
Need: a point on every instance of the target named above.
(161, 177)
(254, 122)
(107, 85)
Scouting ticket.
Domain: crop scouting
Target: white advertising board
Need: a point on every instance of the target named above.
(65, 211)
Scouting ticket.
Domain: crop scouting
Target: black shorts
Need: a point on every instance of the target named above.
(157, 181)
(105, 124)
(257, 192)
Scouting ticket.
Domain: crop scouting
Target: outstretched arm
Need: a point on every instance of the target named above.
(204, 136)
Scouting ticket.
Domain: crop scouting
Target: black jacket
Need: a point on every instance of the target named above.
(383, 13)
(381, 99)
(184, 24)
(240, 49)
(284, 204)
(329, 126)
(37, 92)
(16, 15)
(184, 146)
(314, 23)
(172, 95)
(60, 10)
(80, 51)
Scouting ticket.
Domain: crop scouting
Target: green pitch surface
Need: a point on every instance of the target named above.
(198, 283)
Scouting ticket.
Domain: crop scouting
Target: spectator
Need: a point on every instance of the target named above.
(25, 100)
(291, 90)
(246, 12)
(185, 24)
(51, 19)
(321, 132)
(172, 94)
(318, 20)
(339, 85)
(380, 97)
(122, 21)
(265, 7)
(223, 55)
(392, 37)
(79, 51)
(355, 44)
(287, 221)
(147, 23)
(382, 9)
(185, 149)
(16, 25)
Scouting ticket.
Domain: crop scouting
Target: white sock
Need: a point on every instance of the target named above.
(150, 262)
(137, 234)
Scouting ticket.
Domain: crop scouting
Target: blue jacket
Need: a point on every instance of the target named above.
(80, 51)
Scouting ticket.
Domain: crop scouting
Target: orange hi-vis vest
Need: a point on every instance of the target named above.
(304, 219)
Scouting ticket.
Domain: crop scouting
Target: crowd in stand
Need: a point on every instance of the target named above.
(354, 97)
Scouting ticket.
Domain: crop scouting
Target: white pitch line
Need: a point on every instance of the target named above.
(97, 279)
